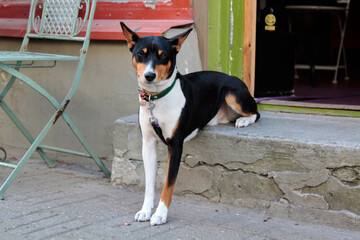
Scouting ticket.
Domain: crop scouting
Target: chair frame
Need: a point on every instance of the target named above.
(342, 25)
(46, 27)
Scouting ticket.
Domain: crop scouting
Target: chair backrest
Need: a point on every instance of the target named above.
(60, 19)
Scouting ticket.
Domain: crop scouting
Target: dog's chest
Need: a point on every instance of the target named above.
(167, 111)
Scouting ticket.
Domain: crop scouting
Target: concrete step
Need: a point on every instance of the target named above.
(303, 167)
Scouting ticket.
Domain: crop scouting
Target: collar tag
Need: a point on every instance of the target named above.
(142, 101)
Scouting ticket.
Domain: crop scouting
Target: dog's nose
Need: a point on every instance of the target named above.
(150, 76)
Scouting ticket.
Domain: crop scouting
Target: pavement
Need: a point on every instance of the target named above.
(72, 202)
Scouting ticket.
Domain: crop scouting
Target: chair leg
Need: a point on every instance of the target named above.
(346, 78)
(35, 143)
(341, 46)
(17, 121)
(86, 145)
(26, 133)
(14, 173)
(24, 159)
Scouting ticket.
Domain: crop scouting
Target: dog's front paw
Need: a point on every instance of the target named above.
(160, 215)
(158, 219)
(245, 121)
(143, 215)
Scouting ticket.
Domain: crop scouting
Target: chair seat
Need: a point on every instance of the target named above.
(33, 56)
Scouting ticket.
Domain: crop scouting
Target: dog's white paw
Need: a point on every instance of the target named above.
(160, 216)
(143, 215)
(157, 220)
(245, 121)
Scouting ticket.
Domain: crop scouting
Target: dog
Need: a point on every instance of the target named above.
(174, 107)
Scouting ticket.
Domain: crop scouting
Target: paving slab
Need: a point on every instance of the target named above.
(71, 202)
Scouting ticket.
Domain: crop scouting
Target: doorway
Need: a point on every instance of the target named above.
(295, 58)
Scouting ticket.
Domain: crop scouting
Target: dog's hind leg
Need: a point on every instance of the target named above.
(246, 115)
(175, 151)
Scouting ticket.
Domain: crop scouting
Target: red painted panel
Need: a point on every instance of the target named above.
(147, 21)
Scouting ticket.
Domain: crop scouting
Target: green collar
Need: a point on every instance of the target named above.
(145, 95)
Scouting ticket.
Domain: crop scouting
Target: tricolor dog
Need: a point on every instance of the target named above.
(174, 107)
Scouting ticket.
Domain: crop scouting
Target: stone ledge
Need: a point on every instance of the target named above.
(300, 166)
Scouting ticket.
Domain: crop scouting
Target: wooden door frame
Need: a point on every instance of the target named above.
(250, 11)
(249, 44)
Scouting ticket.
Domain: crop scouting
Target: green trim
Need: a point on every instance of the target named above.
(320, 111)
(214, 35)
(226, 54)
(237, 51)
(163, 93)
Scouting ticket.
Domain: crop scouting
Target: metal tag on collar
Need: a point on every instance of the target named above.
(152, 118)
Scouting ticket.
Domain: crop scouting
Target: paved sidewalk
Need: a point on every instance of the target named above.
(70, 202)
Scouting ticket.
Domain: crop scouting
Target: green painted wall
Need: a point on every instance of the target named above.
(226, 36)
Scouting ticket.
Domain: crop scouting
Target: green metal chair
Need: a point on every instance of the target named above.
(55, 20)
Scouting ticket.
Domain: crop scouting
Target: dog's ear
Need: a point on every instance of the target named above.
(129, 35)
(178, 40)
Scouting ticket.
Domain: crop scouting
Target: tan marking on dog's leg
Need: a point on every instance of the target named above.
(174, 129)
(246, 118)
(166, 194)
(167, 191)
(160, 215)
(230, 100)
(168, 188)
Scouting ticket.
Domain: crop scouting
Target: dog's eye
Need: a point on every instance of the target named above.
(141, 54)
(162, 55)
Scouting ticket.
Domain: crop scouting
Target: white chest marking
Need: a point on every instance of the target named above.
(167, 110)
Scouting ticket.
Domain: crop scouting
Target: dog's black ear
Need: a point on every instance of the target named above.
(129, 35)
(178, 40)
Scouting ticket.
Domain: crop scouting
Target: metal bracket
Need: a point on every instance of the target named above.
(2, 156)
(31, 65)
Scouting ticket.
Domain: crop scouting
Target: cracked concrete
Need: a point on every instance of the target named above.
(298, 166)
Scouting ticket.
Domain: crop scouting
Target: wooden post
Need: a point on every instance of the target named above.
(249, 44)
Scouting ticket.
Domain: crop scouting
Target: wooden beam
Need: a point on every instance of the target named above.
(309, 110)
(249, 44)
(290, 103)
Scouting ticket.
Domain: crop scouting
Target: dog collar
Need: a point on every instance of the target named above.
(145, 95)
